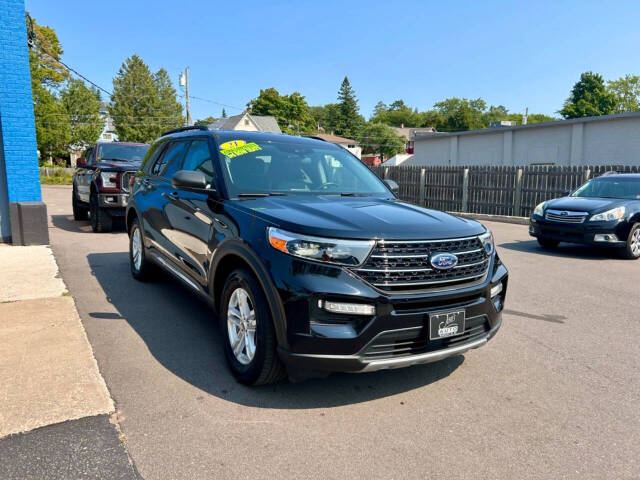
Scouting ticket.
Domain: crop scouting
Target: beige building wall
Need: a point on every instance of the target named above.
(606, 140)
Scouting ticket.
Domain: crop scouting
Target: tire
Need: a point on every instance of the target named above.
(141, 268)
(101, 221)
(79, 212)
(632, 249)
(263, 366)
(548, 243)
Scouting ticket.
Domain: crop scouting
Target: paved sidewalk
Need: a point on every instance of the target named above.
(47, 370)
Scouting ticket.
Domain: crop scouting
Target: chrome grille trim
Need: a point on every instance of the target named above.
(565, 216)
(403, 265)
(124, 182)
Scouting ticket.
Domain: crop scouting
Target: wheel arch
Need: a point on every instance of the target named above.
(234, 255)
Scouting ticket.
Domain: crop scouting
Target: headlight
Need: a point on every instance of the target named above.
(487, 242)
(109, 179)
(613, 214)
(539, 209)
(343, 252)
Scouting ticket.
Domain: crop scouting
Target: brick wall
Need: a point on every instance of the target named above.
(19, 174)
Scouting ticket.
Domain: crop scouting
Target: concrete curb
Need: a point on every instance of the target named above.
(493, 218)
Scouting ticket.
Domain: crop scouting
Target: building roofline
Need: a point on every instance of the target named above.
(555, 123)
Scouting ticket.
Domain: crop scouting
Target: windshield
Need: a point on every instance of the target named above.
(273, 167)
(613, 187)
(119, 152)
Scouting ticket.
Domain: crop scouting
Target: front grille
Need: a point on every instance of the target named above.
(126, 176)
(565, 216)
(400, 343)
(405, 266)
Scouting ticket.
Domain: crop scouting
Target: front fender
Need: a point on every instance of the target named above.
(240, 249)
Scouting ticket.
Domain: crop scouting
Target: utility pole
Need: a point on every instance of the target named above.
(184, 82)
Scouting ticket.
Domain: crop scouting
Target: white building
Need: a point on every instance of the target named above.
(346, 143)
(603, 140)
(247, 122)
(109, 129)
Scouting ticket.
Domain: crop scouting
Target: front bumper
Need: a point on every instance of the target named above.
(587, 233)
(396, 336)
(115, 202)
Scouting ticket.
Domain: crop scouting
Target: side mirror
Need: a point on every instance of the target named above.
(81, 162)
(189, 180)
(393, 186)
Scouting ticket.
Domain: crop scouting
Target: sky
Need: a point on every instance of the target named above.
(517, 54)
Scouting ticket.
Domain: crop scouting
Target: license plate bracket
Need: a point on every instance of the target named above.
(446, 324)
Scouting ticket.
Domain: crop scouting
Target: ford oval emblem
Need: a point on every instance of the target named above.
(443, 261)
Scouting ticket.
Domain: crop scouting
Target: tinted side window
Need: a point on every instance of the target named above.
(199, 159)
(170, 160)
(89, 156)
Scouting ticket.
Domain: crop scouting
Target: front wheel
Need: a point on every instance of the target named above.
(250, 342)
(101, 221)
(141, 268)
(632, 249)
(547, 243)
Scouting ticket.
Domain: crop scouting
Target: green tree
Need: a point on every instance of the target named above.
(349, 121)
(589, 97)
(82, 106)
(205, 121)
(380, 138)
(53, 131)
(326, 116)
(459, 114)
(224, 113)
(396, 115)
(627, 92)
(169, 109)
(135, 103)
(290, 111)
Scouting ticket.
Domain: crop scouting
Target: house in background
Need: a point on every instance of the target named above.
(247, 122)
(346, 143)
(109, 129)
(409, 132)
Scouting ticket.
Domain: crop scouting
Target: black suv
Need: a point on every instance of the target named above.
(101, 182)
(308, 257)
(604, 211)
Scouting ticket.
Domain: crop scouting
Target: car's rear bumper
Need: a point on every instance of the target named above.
(605, 234)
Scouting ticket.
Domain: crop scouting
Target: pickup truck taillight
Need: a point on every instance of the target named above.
(110, 181)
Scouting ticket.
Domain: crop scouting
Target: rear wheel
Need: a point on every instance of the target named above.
(547, 243)
(632, 250)
(250, 342)
(101, 221)
(79, 212)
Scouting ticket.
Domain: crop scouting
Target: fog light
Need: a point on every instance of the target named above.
(496, 290)
(347, 308)
(605, 237)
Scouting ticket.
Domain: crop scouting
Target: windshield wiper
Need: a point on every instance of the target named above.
(257, 194)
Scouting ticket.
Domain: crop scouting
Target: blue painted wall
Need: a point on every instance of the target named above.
(19, 173)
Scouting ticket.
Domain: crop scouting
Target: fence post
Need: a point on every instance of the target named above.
(386, 172)
(587, 174)
(465, 190)
(517, 196)
(423, 191)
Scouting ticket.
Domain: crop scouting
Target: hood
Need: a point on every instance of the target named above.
(118, 166)
(583, 204)
(358, 218)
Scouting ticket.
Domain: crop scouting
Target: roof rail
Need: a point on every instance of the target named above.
(185, 129)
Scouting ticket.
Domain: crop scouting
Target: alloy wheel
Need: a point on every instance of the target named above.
(136, 248)
(635, 242)
(241, 326)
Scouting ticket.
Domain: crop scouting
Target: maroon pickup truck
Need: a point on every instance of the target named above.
(101, 182)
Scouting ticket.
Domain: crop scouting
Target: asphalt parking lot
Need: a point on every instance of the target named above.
(556, 394)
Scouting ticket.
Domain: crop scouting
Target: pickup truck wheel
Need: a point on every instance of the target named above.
(141, 268)
(79, 213)
(632, 250)
(101, 221)
(547, 243)
(249, 336)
